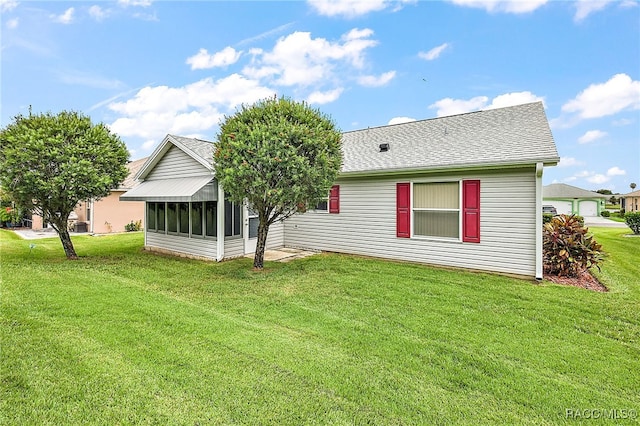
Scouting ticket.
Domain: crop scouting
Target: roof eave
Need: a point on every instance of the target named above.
(453, 168)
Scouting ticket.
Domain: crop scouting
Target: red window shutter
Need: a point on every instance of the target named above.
(334, 199)
(403, 210)
(471, 211)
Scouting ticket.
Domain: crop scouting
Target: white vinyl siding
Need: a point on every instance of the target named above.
(199, 247)
(177, 164)
(366, 224)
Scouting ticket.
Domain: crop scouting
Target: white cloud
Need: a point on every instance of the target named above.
(376, 81)
(505, 6)
(585, 8)
(65, 18)
(13, 23)
(616, 171)
(623, 122)
(569, 162)
(514, 98)
(434, 53)
(619, 93)
(591, 135)
(353, 8)
(598, 178)
(324, 97)
(400, 120)
(203, 60)
(155, 111)
(8, 5)
(299, 60)
(98, 13)
(148, 145)
(141, 3)
(449, 106)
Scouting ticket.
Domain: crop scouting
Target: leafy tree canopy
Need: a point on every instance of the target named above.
(51, 162)
(280, 156)
(604, 191)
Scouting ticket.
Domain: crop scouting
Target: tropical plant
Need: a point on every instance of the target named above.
(279, 156)
(568, 248)
(51, 162)
(632, 219)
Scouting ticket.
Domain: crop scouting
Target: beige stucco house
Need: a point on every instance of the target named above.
(108, 214)
(631, 202)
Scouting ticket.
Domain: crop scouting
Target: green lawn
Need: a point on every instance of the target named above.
(129, 337)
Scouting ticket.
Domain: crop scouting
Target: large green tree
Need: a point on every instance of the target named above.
(280, 156)
(51, 162)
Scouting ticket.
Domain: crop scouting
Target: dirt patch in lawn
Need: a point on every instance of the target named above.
(584, 280)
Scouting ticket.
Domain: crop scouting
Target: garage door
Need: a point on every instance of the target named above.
(588, 208)
(563, 207)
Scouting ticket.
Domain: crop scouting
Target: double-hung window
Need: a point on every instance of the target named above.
(443, 210)
(436, 209)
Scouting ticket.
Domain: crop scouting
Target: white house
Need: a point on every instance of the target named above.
(461, 191)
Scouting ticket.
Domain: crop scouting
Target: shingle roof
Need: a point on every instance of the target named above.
(505, 136)
(516, 135)
(632, 194)
(201, 148)
(561, 190)
(130, 181)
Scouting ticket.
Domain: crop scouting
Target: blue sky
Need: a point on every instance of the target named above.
(147, 68)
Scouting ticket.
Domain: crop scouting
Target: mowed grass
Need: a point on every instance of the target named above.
(123, 336)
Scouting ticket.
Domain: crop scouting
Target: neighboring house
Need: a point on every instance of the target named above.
(631, 202)
(569, 199)
(459, 191)
(108, 214)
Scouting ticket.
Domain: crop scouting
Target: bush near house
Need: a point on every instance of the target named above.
(632, 219)
(568, 250)
(546, 217)
(605, 213)
(133, 226)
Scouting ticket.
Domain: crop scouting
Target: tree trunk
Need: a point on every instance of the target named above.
(263, 230)
(65, 239)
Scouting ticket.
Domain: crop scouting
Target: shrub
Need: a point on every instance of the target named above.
(568, 249)
(632, 219)
(546, 217)
(605, 213)
(133, 226)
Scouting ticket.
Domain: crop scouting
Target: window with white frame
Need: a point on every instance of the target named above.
(436, 209)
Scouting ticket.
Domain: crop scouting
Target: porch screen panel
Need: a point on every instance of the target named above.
(196, 218)
(151, 216)
(183, 212)
(237, 213)
(161, 217)
(228, 219)
(211, 211)
(172, 217)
